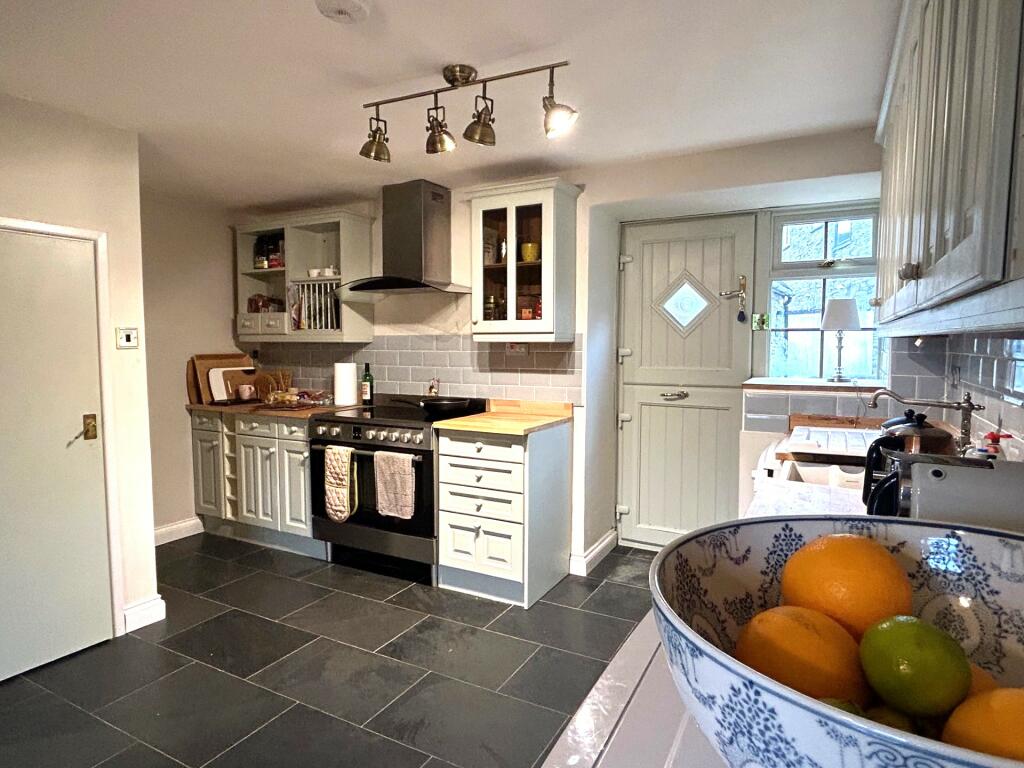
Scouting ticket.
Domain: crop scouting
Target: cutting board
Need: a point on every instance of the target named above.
(202, 365)
(219, 383)
(232, 380)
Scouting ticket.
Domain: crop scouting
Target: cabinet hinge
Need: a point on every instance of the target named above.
(620, 511)
(623, 418)
(624, 259)
(624, 352)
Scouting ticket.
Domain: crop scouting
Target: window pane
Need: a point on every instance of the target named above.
(849, 239)
(794, 353)
(803, 242)
(860, 354)
(860, 288)
(795, 304)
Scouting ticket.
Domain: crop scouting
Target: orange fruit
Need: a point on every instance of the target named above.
(805, 650)
(854, 580)
(981, 681)
(989, 722)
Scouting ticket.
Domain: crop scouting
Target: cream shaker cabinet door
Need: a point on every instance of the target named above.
(258, 481)
(293, 470)
(208, 473)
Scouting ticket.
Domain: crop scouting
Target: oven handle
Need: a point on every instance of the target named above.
(359, 452)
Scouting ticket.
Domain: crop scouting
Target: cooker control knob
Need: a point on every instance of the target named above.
(335, 431)
(321, 430)
(417, 439)
(406, 436)
(370, 434)
(393, 436)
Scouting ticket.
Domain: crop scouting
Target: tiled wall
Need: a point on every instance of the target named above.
(405, 365)
(991, 368)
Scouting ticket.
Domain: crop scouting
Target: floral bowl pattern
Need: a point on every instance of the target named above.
(709, 583)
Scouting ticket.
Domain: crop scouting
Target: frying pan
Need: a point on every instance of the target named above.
(438, 406)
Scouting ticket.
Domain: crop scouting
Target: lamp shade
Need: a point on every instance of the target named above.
(840, 315)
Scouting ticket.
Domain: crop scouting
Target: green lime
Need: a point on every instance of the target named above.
(889, 716)
(843, 704)
(915, 667)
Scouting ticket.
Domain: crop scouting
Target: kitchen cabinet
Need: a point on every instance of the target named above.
(523, 258)
(295, 504)
(208, 472)
(296, 305)
(947, 134)
(504, 506)
(258, 499)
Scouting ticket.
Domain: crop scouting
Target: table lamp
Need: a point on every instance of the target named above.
(840, 315)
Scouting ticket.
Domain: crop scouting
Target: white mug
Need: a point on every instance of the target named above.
(328, 272)
(246, 391)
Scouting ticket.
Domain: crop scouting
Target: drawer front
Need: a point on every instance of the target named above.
(480, 473)
(256, 425)
(273, 322)
(248, 323)
(207, 420)
(293, 429)
(492, 447)
(496, 505)
(476, 544)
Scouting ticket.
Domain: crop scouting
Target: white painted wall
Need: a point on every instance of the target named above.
(187, 275)
(63, 169)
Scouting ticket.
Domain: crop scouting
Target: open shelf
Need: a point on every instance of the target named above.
(272, 272)
(503, 265)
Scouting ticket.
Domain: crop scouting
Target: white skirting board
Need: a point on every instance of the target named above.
(144, 612)
(581, 565)
(178, 530)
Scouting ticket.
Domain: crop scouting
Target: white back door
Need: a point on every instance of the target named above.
(54, 552)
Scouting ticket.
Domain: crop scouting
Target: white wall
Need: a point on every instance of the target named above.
(62, 169)
(188, 279)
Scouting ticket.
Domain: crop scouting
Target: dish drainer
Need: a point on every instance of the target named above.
(314, 304)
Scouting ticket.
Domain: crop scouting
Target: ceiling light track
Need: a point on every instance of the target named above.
(558, 118)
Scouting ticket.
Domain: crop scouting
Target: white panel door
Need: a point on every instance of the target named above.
(685, 354)
(54, 552)
(257, 487)
(208, 471)
(677, 328)
(293, 476)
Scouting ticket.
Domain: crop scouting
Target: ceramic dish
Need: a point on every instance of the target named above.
(709, 583)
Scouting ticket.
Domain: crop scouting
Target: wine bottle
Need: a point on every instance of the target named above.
(366, 385)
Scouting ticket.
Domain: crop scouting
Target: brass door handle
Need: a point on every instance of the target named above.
(679, 394)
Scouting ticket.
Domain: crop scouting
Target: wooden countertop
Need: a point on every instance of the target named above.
(504, 423)
(264, 410)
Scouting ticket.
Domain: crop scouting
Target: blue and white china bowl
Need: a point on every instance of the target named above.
(709, 583)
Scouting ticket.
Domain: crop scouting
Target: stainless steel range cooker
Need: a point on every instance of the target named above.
(368, 539)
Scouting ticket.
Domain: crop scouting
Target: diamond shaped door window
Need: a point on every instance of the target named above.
(685, 302)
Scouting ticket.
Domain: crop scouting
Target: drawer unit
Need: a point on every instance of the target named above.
(481, 473)
(248, 323)
(206, 420)
(496, 505)
(273, 323)
(490, 547)
(261, 426)
(492, 447)
(293, 429)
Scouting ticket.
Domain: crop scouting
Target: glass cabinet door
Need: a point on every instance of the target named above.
(496, 255)
(529, 260)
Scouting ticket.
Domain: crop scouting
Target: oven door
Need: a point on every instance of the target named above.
(367, 529)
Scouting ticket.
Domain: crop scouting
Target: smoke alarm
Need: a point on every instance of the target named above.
(343, 11)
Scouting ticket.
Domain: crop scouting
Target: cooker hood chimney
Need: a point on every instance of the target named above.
(416, 241)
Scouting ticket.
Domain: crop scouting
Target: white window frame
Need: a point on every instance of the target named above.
(777, 270)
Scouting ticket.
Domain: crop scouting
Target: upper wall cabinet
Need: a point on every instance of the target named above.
(947, 130)
(524, 261)
(290, 271)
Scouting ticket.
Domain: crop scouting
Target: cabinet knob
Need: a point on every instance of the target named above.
(475, 322)
(479, 447)
(271, 450)
(305, 455)
(479, 478)
(875, 301)
(910, 271)
(479, 506)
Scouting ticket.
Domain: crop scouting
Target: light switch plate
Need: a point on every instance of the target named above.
(127, 338)
(516, 349)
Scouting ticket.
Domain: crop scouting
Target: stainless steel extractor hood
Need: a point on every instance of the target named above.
(416, 241)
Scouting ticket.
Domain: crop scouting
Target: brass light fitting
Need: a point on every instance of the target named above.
(558, 117)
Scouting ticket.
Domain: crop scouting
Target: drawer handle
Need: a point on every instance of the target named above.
(479, 506)
(479, 477)
(479, 447)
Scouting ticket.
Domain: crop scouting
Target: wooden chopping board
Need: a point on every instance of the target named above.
(202, 365)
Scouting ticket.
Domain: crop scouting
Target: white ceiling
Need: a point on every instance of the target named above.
(258, 102)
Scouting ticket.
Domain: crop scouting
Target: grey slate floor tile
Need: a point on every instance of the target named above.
(555, 679)
(619, 600)
(199, 573)
(357, 582)
(568, 629)
(354, 620)
(184, 610)
(449, 605)
(267, 594)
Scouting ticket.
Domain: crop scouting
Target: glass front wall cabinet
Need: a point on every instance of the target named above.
(524, 262)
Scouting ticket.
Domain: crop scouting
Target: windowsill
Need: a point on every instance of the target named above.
(776, 383)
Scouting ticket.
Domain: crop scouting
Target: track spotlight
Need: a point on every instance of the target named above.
(480, 130)
(376, 147)
(439, 139)
(558, 118)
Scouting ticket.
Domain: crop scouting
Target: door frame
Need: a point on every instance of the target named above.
(104, 332)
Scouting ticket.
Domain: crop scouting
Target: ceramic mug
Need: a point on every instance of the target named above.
(314, 272)
(328, 272)
(246, 391)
